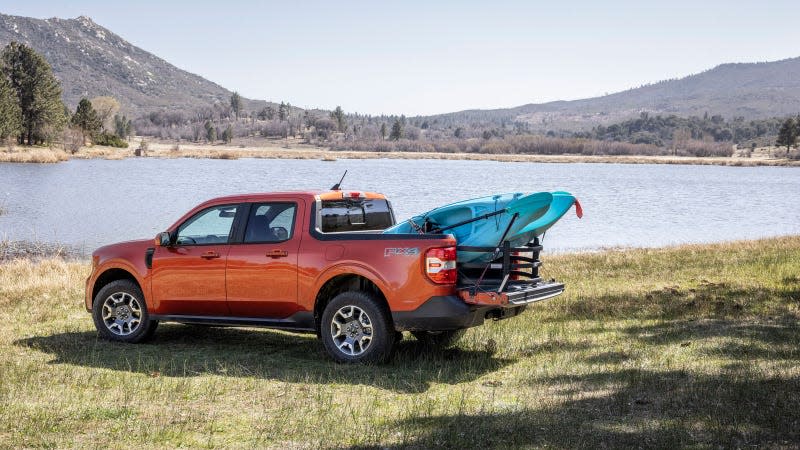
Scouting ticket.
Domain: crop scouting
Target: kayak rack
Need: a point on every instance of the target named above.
(511, 266)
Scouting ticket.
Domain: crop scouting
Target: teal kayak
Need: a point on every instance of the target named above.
(562, 202)
(481, 222)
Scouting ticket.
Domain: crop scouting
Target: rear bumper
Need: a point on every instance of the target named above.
(438, 313)
(465, 310)
(450, 313)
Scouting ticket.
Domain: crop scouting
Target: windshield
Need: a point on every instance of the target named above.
(355, 215)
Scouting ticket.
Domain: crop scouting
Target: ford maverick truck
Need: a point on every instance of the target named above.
(308, 262)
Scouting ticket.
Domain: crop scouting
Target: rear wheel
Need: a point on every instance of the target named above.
(439, 339)
(355, 328)
(120, 313)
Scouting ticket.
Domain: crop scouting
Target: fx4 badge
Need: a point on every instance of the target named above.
(401, 251)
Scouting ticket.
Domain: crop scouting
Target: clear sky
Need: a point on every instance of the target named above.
(423, 57)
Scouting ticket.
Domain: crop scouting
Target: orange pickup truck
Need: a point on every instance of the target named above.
(307, 262)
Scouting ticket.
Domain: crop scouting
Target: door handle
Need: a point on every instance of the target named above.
(210, 255)
(277, 253)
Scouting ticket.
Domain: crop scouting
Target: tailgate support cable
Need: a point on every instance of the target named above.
(494, 255)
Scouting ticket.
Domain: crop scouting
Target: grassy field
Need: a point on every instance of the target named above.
(295, 149)
(689, 346)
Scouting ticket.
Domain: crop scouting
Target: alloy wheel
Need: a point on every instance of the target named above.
(122, 313)
(351, 330)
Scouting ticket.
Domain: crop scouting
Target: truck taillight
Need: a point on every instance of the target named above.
(440, 265)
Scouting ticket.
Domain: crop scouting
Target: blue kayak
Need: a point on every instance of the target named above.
(562, 202)
(481, 222)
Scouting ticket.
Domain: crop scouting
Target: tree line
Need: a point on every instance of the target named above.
(352, 131)
(32, 112)
(666, 130)
(709, 135)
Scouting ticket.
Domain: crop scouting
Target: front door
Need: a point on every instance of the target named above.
(261, 276)
(189, 275)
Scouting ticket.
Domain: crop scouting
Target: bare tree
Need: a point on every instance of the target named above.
(680, 139)
(106, 107)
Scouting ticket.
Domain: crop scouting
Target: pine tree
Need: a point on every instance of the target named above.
(338, 116)
(787, 135)
(236, 104)
(38, 93)
(85, 119)
(283, 112)
(308, 119)
(122, 126)
(383, 130)
(211, 132)
(10, 113)
(397, 131)
(227, 135)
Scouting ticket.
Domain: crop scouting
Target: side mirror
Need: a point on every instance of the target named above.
(163, 239)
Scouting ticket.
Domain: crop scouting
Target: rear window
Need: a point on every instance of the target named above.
(355, 215)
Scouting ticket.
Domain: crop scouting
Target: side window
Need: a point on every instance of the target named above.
(210, 226)
(355, 215)
(270, 222)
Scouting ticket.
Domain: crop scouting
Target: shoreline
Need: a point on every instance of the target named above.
(296, 150)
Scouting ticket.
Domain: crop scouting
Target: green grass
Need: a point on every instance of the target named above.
(692, 346)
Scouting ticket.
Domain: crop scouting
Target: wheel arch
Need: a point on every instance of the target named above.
(345, 282)
(110, 275)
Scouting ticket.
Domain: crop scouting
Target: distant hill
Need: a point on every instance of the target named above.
(90, 61)
(751, 90)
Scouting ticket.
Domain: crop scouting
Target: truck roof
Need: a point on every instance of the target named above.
(321, 194)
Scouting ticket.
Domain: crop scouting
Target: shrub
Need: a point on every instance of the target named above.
(72, 139)
(111, 140)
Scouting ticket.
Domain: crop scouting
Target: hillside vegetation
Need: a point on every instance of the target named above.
(749, 90)
(91, 61)
(647, 348)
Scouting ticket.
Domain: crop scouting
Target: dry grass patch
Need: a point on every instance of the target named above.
(693, 346)
(103, 152)
(32, 155)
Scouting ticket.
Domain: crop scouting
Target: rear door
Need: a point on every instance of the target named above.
(189, 276)
(261, 275)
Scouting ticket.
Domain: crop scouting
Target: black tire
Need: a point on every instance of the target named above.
(380, 332)
(439, 339)
(130, 296)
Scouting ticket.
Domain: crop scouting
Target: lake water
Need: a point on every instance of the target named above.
(89, 203)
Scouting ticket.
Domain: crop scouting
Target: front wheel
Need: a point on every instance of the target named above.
(120, 313)
(438, 339)
(355, 328)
